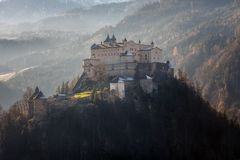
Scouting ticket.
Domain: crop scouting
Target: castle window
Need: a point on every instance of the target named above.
(146, 57)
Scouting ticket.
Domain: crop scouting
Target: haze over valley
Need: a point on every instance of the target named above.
(50, 46)
(119, 79)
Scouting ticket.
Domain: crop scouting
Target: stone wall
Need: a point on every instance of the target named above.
(122, 69)
(118, 89)
(147, 85)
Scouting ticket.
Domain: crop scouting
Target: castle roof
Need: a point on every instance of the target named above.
(108, 39)
(37, 94)
(94, 46)
(106, 45)
(150, 49)
(147, 49)
(113, 38)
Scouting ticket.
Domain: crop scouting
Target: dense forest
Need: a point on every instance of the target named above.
(173, 122)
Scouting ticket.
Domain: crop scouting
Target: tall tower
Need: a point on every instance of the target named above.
(152, 44)
(108, 40)
(114, 40)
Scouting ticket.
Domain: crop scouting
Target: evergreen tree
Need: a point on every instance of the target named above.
(66, 88)
(58, 91)
(63, 88)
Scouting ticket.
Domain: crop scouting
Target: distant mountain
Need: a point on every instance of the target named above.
(14, 11)
(86, 20)
(82, 20)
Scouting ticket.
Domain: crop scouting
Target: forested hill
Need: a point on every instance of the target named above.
(173, 122)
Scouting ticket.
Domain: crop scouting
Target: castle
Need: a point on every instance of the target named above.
(121, 62)
(112, 58)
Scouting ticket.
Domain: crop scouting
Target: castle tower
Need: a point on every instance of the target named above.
(108, 40)
(114, 40)
(152, 44)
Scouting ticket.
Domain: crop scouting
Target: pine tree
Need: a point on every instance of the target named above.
(93, 94)
(63, 88)
(58, 91)
(66, 88)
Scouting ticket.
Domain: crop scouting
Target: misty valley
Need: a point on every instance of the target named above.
(119, 79)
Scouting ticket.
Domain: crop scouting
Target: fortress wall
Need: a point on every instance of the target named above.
(147, 85)
(108, 56)
(122, 69)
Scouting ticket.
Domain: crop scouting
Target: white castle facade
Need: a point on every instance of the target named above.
(112, 58)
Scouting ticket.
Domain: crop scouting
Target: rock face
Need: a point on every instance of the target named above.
(152, 69)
